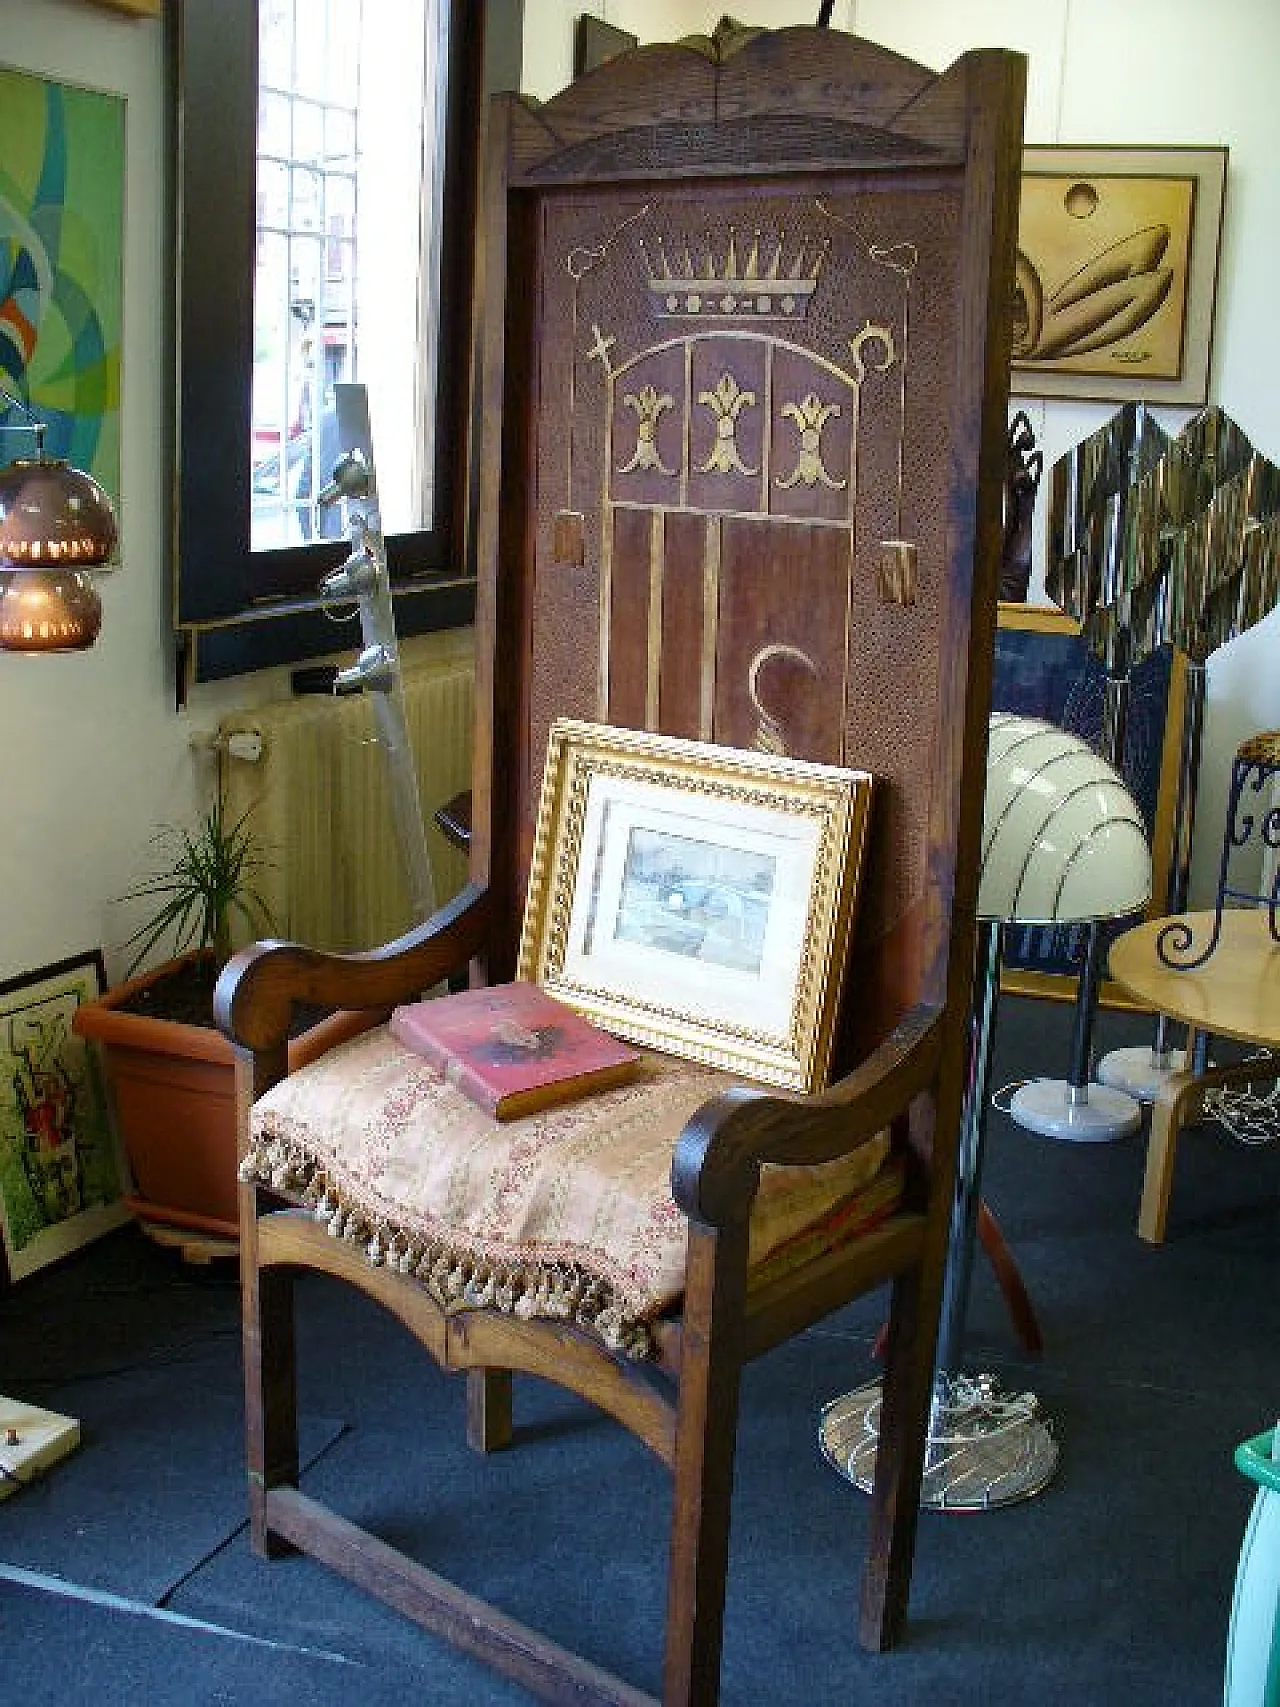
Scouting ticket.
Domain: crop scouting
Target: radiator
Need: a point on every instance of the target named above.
(319, 803)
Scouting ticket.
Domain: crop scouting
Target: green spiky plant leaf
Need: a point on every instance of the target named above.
(205, 884)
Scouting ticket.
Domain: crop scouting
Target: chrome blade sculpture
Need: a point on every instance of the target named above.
(364, 578)
(1165, 540)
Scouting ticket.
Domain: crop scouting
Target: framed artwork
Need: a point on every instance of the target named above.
(696, 899)
(1116, 272)
(61, 1174)
(61, 279)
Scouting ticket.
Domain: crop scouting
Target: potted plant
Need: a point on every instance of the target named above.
(170, 1070)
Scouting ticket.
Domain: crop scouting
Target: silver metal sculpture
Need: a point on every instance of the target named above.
(1161, 540)
(364, 578)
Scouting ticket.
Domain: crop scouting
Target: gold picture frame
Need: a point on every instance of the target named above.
(696, 899)
(1116, 272)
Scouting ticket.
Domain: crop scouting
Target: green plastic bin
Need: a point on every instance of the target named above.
(1253, 1642)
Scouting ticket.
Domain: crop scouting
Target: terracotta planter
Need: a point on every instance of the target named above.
(173, 1086)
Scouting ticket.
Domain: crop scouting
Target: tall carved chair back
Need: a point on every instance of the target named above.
(742, 375)
(741, 452)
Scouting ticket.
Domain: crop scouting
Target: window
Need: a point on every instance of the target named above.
(328, 161)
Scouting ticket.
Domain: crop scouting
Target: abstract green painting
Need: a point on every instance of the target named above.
(62, 152)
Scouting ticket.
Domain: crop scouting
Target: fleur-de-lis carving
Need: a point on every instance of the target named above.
(810, 415)
(726, 403)
(649, 405)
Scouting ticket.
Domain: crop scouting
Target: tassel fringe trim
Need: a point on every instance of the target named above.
(456, 1277)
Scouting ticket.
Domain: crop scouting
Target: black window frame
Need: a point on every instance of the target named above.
(237, 610)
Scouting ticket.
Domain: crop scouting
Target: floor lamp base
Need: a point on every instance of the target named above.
(1089, 1114)
(1140, 1071)
(984, 1450)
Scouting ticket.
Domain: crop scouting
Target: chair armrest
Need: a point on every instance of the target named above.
(255, 994)
(716, 1167)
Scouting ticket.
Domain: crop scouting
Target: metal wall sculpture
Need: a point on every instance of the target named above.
(1157, 539)
(1165, 540)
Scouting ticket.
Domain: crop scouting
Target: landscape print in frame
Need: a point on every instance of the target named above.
(696, 899)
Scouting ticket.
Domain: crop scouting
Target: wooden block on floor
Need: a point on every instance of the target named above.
(31, 1440)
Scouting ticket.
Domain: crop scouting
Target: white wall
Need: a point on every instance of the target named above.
(1138, 72)
(93, 756)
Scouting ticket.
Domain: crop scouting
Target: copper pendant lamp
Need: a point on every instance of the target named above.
(56, 523)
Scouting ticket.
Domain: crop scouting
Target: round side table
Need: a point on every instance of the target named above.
(1235, 993)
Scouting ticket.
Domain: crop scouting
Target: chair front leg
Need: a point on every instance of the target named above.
(706, 1442)
(270, 1376)
(904, 1417)
(906, 1398)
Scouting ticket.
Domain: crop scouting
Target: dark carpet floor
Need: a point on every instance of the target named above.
(125, 1575)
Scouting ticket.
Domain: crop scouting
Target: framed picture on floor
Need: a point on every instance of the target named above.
(62, 1178)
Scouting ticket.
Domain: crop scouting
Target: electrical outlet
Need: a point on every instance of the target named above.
(31, 1440)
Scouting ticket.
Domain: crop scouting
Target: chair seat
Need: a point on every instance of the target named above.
(565, 1214)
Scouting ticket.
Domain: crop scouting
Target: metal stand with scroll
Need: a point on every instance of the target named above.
(1062, 840)
(364, 578)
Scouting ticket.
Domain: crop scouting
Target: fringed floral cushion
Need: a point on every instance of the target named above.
(563, 1214)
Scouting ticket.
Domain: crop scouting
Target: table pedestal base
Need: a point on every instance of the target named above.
(983, 1451)
(1141, 1070)
(1090, 1114)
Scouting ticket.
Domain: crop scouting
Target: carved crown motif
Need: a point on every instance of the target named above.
(709, 280)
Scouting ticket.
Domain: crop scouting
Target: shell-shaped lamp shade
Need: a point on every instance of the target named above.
(1062, 840)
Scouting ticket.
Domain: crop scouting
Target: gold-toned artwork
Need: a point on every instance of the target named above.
(1115, 272)
(770, 735)
(761, 278)
(720, 403)
(726, 401)
(649, 404)
(810, 416)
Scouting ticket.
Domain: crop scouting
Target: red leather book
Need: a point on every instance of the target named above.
(512, 1048)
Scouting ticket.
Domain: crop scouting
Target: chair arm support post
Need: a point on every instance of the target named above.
(258, 987)
(716, 1167)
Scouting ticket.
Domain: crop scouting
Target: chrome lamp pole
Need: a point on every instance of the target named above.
(1063, 842)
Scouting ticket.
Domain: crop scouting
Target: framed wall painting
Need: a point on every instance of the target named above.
(696, 899)
(1116, 272)
(62, 152)
(62, 1178)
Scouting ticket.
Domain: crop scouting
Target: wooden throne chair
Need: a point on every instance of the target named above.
(743, 368)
